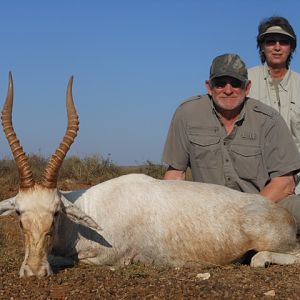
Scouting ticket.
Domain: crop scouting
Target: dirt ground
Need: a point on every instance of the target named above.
(140, 282)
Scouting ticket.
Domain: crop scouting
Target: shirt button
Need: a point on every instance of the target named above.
(228, 178)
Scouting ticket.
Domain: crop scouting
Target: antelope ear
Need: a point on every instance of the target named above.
(7, 207)
(76, 215)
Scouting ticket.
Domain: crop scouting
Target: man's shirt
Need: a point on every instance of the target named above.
(259, 148)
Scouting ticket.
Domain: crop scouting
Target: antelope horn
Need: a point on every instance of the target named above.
(51, 172)
(25, 173)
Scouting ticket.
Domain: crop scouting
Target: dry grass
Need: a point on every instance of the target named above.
(74, 172)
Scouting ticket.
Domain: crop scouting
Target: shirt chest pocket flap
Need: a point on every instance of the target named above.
(205, 150)
(246, 160)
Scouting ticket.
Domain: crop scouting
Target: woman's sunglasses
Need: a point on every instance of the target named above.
(273, 41)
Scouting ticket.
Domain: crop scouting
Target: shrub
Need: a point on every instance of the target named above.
(75, 172)
(90, 169)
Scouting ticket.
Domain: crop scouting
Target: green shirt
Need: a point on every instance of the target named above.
(258, 149)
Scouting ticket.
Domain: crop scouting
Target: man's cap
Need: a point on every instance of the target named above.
(276, 29)
(228, 65)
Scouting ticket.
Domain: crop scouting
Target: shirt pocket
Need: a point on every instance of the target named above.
(205, 150)
(295, 121)
(246, 160)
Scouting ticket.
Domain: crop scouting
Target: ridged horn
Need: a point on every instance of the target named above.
(50, 174)
(25, 173)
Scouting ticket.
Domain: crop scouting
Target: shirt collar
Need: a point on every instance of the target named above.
(283, 83)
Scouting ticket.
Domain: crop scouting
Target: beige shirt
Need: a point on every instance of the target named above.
(285, 99)
(258, 149)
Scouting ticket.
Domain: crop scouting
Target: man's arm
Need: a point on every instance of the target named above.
(279, 188)
(174, 174)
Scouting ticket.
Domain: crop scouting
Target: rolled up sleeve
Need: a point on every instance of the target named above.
(176, 152)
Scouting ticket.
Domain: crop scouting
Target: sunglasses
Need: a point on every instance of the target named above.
(222, 82)
(273, 41)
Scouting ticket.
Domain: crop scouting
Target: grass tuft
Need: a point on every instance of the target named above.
(75, 172)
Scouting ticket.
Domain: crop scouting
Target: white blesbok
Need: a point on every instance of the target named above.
(138, 218)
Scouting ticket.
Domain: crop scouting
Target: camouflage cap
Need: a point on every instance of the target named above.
(228, 65)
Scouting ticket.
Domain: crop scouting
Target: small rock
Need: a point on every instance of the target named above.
(270, 293)
(203, 276)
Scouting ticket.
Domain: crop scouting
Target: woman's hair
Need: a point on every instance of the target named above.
(285, 25)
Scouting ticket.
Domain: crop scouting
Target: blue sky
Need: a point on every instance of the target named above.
(133, 63)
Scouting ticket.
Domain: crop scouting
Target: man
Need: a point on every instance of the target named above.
(229, 139)
(273, 82)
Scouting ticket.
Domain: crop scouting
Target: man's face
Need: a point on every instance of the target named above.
(277, 48)
(228, 93)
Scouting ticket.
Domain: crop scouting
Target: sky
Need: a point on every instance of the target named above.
(133, 61)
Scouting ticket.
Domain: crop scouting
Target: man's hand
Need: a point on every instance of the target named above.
(173, 174)
(279, 188)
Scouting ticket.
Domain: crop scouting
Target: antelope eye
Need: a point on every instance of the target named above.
(56, 214)
(21, 226)
(18, 212)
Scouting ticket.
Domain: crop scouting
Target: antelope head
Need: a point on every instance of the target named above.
(37, 205)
